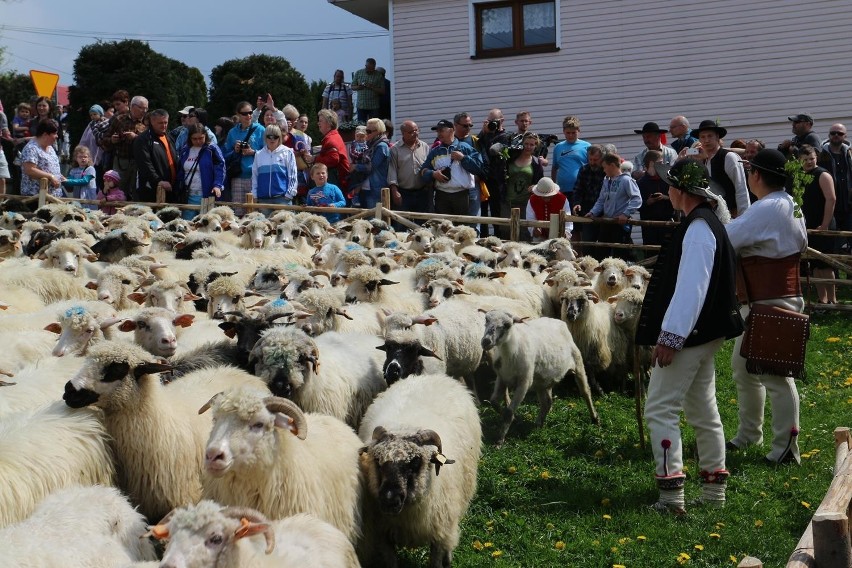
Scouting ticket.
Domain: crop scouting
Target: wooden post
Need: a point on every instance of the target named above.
(832, 547)
(161, 194)
(249, 201)
(563, 218)
(750, 562)
(553, 231)
(384, 202)
(842, 440)
(515, 225)
(42, 192)
(207, 203)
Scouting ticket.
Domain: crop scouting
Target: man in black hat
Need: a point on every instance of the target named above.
(769, 239)
(725, 167)
(803, 131)
(690, 308)
(651, 137)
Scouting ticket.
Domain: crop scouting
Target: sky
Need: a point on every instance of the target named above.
(314, 36)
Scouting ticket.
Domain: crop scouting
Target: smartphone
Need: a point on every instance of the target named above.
(693, 151)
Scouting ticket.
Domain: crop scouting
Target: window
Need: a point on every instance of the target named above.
(515, 27)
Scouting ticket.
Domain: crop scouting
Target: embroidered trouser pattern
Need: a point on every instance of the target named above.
(688, 384)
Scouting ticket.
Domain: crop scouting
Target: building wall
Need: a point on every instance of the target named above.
(623, 63)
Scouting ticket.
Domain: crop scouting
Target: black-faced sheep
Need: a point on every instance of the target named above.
(413, 429)
(334, 374)
(159, 438)
(265, 453)
(531, 355)
(208, 535)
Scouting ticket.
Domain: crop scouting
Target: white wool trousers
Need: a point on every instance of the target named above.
(688, 384)
(751, 397)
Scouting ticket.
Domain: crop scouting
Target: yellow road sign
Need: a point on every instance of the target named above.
(44, 82)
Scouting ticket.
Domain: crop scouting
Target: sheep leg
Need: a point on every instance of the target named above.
(439, 556)
(509, 412)
(545, 402)
(583, 387)
(498, 393)
(592, 381)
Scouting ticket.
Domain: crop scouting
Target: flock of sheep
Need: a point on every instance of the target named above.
(274, 391)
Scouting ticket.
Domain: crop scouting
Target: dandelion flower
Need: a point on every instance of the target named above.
(758, 523)
(715, 535)
(699, 547)
(489, 523)
(477, 545)
(607, 517)
(832, 340)
(497, 554)
(720, 525)
(624, 540)
(641, 538)
(559, 545)
(512, 469)
(545, 475)
(614, 549)
(549, 526)
(806, 505)
(599, 454)
(488, 545)
(619, 566)
(732, 558)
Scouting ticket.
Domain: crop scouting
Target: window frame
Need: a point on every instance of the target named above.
(476, 8)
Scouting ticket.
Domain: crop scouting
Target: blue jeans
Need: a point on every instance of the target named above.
(369, 197)
(189, 214)
(279, 200)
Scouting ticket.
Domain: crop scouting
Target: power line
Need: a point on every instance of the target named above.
(42, 65)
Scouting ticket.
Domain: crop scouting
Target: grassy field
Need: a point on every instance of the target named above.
(574, 494)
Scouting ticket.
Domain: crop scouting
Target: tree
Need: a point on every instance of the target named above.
(104, 67)
(15, 88)
(256, 75)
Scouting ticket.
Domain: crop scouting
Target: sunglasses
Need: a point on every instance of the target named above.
(272, 137)
(246, 113)
(468, 126)
(368, 131)
(837, 133)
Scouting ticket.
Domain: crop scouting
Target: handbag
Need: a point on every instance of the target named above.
(234, 165)
(775, 341)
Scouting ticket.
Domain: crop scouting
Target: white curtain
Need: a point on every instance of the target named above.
(540, 16)
(497, 21)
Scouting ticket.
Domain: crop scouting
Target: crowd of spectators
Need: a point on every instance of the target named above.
(465, 169)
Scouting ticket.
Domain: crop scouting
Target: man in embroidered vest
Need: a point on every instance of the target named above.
(690, 308)
(769, 238)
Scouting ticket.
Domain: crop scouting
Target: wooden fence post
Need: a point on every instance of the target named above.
(842, 440)
(385, 202)
(750, 562)
(553, 231)
(161, 194)
(42, 192)
(249, 201)
(515, 225)
(832, 546)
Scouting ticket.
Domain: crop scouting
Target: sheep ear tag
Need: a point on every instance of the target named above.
(440, 459)
(249, 529)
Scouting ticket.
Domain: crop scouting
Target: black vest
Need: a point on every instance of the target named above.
(720, 316)
(720, 176)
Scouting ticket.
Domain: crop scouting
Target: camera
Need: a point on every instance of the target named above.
(239, 145)
(447, 172)
(493, 125)
(693, 151)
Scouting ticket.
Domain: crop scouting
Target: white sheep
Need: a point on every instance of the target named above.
(610, 279)
(159, 438)
(225, 294)
(49, 285)
(155, 329)
(334, 374)
(93, 527)
(115, 284)
(413, 429)
(265, 453)
(328, 313)
(362, 232)
(531, 355)
(208, 535)
(367, 284)
(587, 265)
(37, 382)
(638, 277)
(442, 290)
(604, 348)
(47, 449)
(326, 255)
(256, 234)
(81, 325)
(169, 294)
(10, 244)
(66, 254)
(348, 259)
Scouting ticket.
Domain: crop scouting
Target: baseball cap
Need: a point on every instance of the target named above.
(442, 124)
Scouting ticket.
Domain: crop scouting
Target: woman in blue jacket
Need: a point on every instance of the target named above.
(201, 168)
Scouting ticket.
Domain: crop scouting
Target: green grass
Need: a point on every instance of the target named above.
(574, 494)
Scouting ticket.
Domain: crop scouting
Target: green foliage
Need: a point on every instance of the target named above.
(256, 75)
(574, 494)
(15, 88)
(104, 67)
(801, 180)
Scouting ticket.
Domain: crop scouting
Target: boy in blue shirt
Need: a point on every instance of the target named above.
(325, 194)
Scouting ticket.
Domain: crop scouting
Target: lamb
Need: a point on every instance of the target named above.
(79, 526)
(81, 325)
(158, 437)
(420, 241)
(439, 227)
(46, 449)
(638, 277)
(210, 536)
(531, 354)
(610, 279)
(463, 236)
(265, 453)
(225, 294)
(333, 374)
(298, 279)
(329, 314)
(362, 232)
(407, 431)
(247, 329)
(317, 227)
(441, 290)
(587, 265)
(169, 294)
(326, 256)
(627, 307)
(255, 234)
(555, 249)
(115, 284)
(367, 284)
(591, 324)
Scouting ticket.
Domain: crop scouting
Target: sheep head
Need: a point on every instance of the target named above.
(403, 355)
(397, 467)
(284, 359)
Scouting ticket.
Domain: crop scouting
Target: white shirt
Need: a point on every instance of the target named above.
(193, 185)
(769, 228)
(736, 173)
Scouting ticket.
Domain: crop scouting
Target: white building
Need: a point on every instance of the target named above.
(617, 64)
